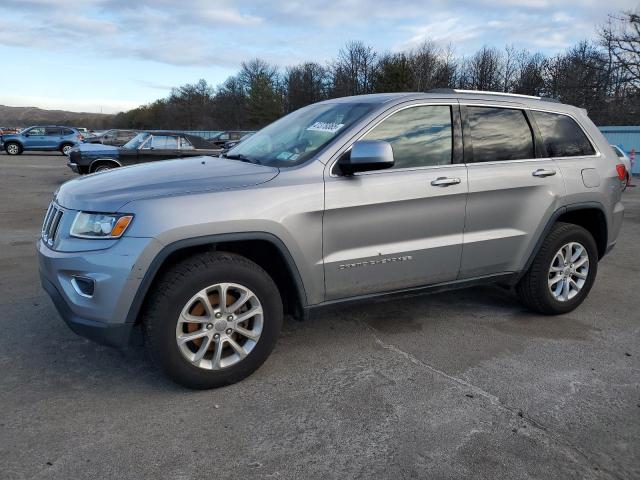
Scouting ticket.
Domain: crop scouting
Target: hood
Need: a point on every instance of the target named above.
(95, 148)
(111, 190)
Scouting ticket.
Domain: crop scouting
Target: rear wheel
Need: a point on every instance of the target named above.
(562, 272)
(13, 148)
(212, 320)
(65, 148)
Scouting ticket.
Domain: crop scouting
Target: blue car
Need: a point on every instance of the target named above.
(47, 138)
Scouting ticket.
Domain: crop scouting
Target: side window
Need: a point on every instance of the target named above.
(500, 134)
(52, 131)
(223, 136)
(67, 131)
(419, 136)
(164, 142)
(562, 136)
(35, 131)
(185, 144)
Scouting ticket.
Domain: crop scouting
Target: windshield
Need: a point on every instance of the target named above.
(136, 141)
(295, 138)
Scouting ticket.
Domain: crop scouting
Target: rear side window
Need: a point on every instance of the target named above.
(68, 131)
(51, 131)
(500, 134)
(419, 136)
(164, 142)
(562, 136)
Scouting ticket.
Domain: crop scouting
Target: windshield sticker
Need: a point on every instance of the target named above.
(325, 127)
(294, 156)
(284, 155)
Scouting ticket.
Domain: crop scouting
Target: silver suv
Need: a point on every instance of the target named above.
(351, 199)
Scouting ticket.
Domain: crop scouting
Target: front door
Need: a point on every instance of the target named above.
(159, 147)
(513, 190)
(401, 227)
(35, 138)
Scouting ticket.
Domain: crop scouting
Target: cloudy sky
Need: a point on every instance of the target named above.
(112, 55)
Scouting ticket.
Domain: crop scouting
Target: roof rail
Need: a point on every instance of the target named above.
(481, 92)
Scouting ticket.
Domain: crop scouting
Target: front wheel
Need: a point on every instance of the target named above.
(212, 320)
(562, 272)
(13, 148)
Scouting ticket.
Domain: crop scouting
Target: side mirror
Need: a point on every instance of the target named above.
(367, 155)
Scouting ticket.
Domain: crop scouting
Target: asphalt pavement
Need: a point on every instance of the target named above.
(464, 384)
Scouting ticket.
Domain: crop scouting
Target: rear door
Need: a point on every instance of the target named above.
(52, 137)
(401, 227)
(513, 189)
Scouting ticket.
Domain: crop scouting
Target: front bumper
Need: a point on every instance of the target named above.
(73, 166)
(116, 273)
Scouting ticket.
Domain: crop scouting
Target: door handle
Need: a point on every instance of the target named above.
(445, 182)
(541, 172)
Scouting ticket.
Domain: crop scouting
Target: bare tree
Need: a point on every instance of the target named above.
(621, 37)
(353, 71)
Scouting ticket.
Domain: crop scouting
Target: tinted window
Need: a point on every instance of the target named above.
(35, 131)
(68, 131)
(500, 134)
(562, 136)
(52, 131)
(419, 136)
(164, 142)
(618, 151)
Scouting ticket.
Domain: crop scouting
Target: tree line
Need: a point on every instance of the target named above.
(602, 75)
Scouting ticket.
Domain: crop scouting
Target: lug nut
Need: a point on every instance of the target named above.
(216, 336)
(229, 331)
(209, 326)
(230, 317)
(218, 315)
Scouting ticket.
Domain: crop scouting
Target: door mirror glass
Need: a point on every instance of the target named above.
(367, 155)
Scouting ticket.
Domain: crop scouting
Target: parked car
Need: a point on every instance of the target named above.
(8, 130)
(144, 147)
(626, 161)
(232, 143)
(350, 199)
(45, 138)
(228, 135)
(115, 137)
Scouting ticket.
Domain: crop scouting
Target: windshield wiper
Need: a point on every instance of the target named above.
(242, 158)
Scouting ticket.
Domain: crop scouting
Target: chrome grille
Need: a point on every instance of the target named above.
(51, 223)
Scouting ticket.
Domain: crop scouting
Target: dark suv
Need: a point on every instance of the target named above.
(114, 137)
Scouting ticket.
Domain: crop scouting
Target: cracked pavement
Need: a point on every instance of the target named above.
(462, 384)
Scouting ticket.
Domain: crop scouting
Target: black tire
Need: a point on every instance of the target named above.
(62, 147)
(103, 167)
(17, 150)
(172, 293)
(533, 288)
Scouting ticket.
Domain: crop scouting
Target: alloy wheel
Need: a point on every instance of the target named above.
(219, 326)
(568, 271)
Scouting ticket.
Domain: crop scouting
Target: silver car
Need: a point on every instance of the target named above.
(351, 199)
(626, 161)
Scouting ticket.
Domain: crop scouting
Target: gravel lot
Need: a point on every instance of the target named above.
(463, 384)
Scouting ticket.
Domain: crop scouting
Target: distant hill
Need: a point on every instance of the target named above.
(25, 116)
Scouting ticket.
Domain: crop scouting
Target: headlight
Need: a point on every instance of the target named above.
(100, 225)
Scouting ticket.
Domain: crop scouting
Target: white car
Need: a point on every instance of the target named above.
(626, 162)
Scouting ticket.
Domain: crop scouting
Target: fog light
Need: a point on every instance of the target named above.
(84, 286)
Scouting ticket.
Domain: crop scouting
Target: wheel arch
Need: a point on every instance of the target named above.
(258, 247)
(103, 160)
(589, 215)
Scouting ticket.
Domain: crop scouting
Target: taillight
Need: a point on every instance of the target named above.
(622, 171)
